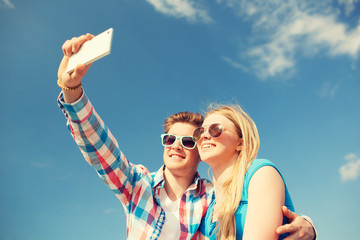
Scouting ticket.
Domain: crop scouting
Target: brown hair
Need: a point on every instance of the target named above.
(195, 119)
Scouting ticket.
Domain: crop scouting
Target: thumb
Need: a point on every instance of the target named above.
(288, 213)
(80, 72)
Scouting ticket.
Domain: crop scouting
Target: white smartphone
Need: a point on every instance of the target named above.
(92, 50)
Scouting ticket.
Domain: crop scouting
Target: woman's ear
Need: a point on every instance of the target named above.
(240, 145)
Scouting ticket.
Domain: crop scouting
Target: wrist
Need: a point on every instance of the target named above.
(312, 224)
(68, 88)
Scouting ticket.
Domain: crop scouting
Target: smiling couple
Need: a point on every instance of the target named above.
(246, 200)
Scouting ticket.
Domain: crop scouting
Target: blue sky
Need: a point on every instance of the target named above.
(293, 65)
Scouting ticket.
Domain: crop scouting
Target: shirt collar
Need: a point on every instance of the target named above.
(159, 180)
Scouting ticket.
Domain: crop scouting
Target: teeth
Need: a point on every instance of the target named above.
(208, 146)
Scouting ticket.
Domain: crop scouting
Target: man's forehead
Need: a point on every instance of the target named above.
(182, 129)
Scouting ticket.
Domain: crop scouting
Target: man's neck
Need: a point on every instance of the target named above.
(176, 185)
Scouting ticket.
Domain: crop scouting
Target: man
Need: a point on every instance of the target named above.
(168, 204)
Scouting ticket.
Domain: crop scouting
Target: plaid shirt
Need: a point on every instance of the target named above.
(135, 187)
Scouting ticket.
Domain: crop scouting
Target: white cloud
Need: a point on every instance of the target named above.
(6, 4)
(329, 89)
(274, 57)
(282, 31)
(188, 9)
(349, 5)
(234, 64)
(350, 171)
(294, 28)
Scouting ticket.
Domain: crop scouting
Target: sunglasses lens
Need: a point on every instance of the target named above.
(197, 133)
(188, 142)
(168, 140)
(215, 130)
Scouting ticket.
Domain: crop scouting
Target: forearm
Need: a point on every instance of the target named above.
(98, 146)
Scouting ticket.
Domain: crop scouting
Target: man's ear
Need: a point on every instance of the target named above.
(240, 145)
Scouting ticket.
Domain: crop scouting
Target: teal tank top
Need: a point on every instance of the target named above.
(207, 227)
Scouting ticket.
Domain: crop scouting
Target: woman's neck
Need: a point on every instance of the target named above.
(221, 173)
(222, 169)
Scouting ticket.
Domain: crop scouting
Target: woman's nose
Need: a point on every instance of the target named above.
(205, 134)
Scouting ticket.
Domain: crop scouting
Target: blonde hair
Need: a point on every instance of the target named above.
(233, 186)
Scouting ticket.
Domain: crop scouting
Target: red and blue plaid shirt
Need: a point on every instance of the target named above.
(135, 187)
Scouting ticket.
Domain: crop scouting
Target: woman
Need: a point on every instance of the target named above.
(249, 192)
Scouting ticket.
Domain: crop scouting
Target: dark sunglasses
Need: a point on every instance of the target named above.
(167, 140)
(215, 131)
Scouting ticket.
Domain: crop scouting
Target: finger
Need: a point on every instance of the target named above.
(89, 36)
(87, 67)
(63, 66)
(288, 213)
(287, 228)
(82, 70)
(284, 209)
(66, 47)
(78, 42)
(295, 236)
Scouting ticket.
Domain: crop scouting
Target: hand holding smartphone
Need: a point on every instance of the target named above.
(92, 50)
